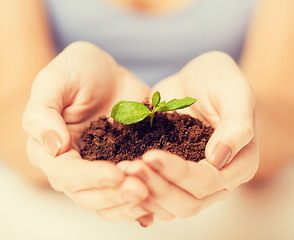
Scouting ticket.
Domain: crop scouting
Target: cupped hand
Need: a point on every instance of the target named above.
(79, 85)
(181, 188)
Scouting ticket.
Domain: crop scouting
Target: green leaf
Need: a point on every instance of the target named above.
(129, 112)
(175, 104)
(155, 99)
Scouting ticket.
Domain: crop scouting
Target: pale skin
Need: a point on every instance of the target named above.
(267, 62)
(171, 179)
(83, 83)
(88, 190)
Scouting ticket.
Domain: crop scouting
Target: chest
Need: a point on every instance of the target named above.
(140, 41)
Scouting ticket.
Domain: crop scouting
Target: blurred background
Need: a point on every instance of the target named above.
(34, 31)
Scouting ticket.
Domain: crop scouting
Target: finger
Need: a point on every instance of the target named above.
(159, 212)
(234, 131)
(236, 126)
(243, 168)
(146, 220)
(166, 194)
(149, 203)
(42, 118)
(68, 89)
(128, 211)
(70, 172)
(202, 179)
(199, 179)
(229, 137)
(227, 101)
(131, 190)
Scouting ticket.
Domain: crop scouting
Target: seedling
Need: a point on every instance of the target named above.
(129, 112)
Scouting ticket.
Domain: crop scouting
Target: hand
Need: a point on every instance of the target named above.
(79, 85)
(181, 188)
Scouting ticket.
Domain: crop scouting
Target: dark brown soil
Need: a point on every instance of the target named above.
(176, 133)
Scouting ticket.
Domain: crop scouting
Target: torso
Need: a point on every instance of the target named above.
(153, 46)
(154, 6)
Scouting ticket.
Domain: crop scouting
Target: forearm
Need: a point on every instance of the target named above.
(13, 142)
(268, 56)
(267, 62)
(25, 47)
(12, 137)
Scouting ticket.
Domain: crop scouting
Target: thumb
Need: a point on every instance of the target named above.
(47, 126)
(43, 119)
(229, 137)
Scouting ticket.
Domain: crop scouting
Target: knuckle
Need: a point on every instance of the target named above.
(80, 44)
(214, 58)
(54, 177)
(251, 163)
(29, 120)
(250, 174)
(87, 199)
(26, 120)
(60, 177)
(250, 133)
(33, 158)
(218, 56)
(210, 183)
(42, 76)
(55, 186)
(128, 211)
(34, 161)
(247, 131)
(84, 48)
(75, 198)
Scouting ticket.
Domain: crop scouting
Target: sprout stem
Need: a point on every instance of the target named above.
(152, 115)
(151, 119)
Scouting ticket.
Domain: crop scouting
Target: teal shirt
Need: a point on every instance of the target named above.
(152, 46)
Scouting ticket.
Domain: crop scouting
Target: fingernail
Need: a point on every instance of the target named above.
(129, 197)
(155, 165)
(143, 223)
(53, 142)
(221, 155)
(139, 211)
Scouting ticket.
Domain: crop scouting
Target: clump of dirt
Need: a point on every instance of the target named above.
(177, 133)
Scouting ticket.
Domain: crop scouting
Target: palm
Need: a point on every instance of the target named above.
(84, 110)
(208, 110)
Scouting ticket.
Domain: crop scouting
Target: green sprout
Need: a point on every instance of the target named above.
(129, 112)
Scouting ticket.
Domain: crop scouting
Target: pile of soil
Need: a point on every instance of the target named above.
(180, 134)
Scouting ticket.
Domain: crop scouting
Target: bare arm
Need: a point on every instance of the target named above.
(25, 47)
(268, 63)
